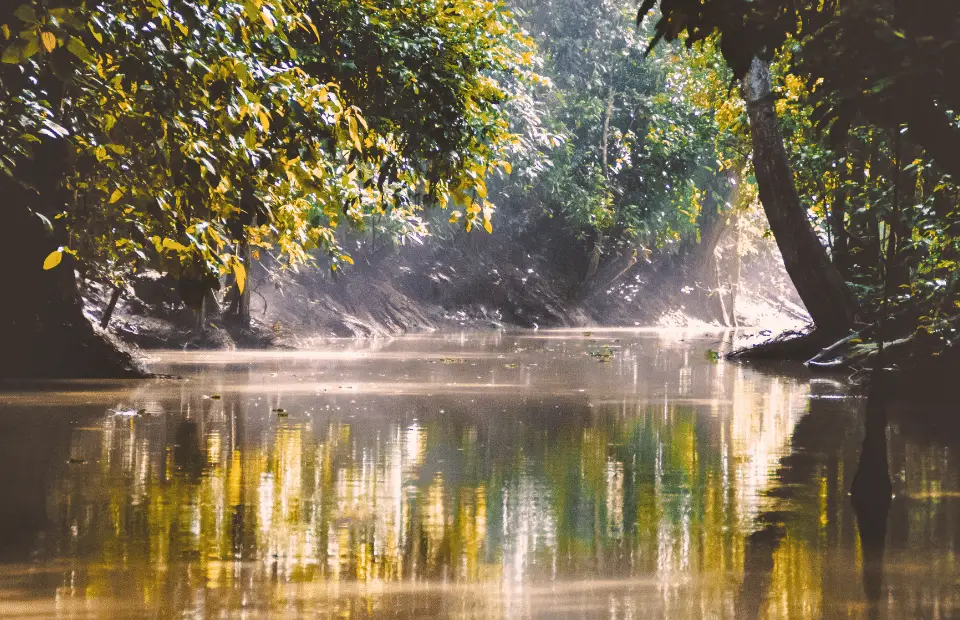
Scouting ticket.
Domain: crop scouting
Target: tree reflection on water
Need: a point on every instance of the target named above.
(711, 491)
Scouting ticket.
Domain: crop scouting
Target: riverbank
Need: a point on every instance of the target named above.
(486, 283)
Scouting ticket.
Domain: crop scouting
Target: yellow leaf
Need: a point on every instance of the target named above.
(488, 226)
(455, 217)
(49, 41)
(268, 19)
(240, 273)
(116, 195)
(53, 259)
(347, 259)
(265, 120)
(507, 167)
(170, 244)
(354, 134)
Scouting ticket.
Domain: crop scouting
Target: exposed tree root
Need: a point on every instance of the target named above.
(788, 346)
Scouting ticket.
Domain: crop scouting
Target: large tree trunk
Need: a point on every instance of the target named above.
(43, 331)
(819, 283)
(238, 310)
(705, 266)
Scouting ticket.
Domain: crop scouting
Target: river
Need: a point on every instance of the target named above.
(616, 474)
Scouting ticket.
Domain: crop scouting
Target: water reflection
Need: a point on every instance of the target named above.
(471, 477)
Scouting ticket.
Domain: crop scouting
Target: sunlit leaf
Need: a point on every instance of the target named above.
(78, 49)
(53, 259)
(49, 41)
(240, 273)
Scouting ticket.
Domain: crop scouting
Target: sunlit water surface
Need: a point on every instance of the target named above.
(614, 474)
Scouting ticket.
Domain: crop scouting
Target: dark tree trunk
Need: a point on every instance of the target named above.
(838, 224)
(108, 312)
(819, 283)
(238, 309)
(43, 331)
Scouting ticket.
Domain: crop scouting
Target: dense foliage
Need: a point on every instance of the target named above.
(869, 101)
(635, 151)
(182, 129)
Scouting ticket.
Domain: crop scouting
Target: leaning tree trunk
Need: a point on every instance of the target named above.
(819, 283)
(43, 331)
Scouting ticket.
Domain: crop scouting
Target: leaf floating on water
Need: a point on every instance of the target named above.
(215, 397)
(77, 461)
(713, 356)
(281, 413)
(511, 366)
(603, 355)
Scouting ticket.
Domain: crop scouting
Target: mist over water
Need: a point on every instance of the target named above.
(554, 474)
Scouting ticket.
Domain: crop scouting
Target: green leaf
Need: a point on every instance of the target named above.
(31, 47)
(53, 259)
(13, 54)
(251, 9)
(26, 14)
(78, 49)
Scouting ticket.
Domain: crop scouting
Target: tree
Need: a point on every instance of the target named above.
(633, 166)
(818, 281)
(820, 285)
(181, 136)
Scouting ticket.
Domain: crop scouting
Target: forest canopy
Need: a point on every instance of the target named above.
(183, 128)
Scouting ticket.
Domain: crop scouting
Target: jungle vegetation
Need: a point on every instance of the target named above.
(192, 137)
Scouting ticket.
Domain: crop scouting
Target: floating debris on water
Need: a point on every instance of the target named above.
(127, 413)
(602, 355)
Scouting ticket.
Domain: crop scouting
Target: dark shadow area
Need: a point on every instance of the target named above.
(872, 492)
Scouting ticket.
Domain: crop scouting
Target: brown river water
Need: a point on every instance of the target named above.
(551, 474)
